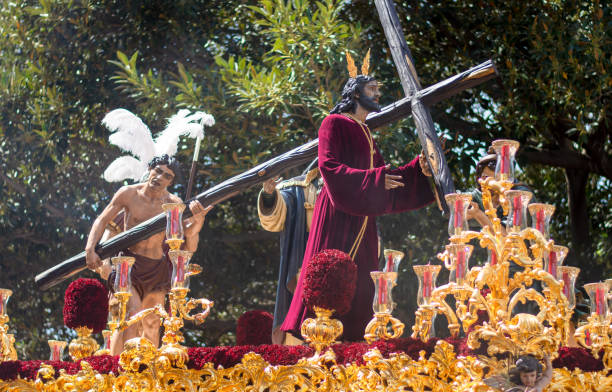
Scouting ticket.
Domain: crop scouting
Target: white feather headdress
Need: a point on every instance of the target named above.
(133, 136)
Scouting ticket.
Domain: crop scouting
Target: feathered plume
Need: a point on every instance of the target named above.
(132, 135)
(181, 124)
(125, 167)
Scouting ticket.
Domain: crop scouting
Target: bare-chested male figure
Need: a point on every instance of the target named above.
(151, 272)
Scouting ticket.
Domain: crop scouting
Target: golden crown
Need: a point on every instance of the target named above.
(352, 69)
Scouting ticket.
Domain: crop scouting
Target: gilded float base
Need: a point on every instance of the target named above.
(443, 371)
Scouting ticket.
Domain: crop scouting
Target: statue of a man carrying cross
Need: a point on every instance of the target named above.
(358, 186)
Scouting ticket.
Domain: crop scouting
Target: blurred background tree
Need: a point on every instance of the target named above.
(269, 71)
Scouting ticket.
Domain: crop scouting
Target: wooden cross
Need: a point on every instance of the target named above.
(419, 106)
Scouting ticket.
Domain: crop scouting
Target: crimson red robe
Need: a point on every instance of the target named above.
(351, 192)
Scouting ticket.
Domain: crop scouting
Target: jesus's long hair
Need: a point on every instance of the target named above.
(348, 103)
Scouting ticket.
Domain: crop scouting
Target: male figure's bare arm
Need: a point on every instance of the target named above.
(194, 224)
(118, 202)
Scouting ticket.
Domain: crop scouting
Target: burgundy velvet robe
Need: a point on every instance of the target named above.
(351, 192)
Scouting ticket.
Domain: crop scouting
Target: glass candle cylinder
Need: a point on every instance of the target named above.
(554, 259)
(114, 313)
(609, 283)
(392, 260)
(5, 294)
(383, 284)
(459, 257)
(517, 215)
(459, 204)
(492, 258)
(106, 337)
(123, 271)
(180, 268)
(504, 166)
(540, 217)
(598, 294)
(174, 220)
(57, 349)
(568, 276)
(427, 275)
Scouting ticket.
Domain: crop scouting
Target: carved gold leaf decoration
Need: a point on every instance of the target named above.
(350, 65)
(365, 67)
(443, 371)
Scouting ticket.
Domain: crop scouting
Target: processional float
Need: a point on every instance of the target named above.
(489, 288)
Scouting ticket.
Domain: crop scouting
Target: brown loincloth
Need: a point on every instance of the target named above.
(148, 275)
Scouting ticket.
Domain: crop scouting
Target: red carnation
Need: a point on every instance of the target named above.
(330, 280)
(86, 305)
(254, 328)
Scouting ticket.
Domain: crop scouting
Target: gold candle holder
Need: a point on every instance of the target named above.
(106, 338)
(457, 262)
(459, 204)
(180, 268)
(596, 334)
(598, 294)
(392, 260)
(540, 217)
(506, 152)
(554, 259)
(568, 276)
(427, 275)
(378, 327)
(56, 348)
(517, 217)
(7, 340)
(174, 224)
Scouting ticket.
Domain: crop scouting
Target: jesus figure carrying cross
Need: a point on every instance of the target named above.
(358, 186)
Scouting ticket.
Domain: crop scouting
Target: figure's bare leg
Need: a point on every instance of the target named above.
(119, 338)
(150, 324)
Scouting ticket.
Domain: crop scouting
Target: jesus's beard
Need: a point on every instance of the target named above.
(368, 103)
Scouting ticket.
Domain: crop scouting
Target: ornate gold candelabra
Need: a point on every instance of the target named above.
(383, 305)
(516, 259)
(596, 334)
(7, 340)
(171, 353)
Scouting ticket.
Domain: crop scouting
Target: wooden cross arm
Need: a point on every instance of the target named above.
(434, 94)
(297, 157)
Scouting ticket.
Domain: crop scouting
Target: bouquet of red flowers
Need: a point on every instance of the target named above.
(330, 280)
(254, 328)
(86, 305)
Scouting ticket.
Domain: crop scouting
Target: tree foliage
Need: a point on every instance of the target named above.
(269, 71)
